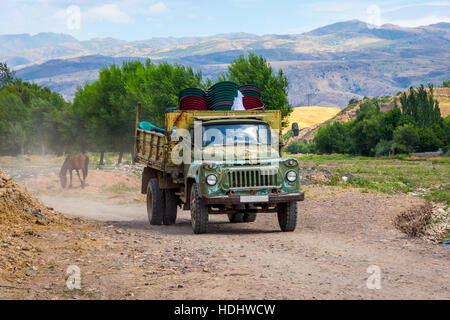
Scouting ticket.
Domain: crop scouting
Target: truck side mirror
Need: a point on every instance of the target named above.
(295, 129)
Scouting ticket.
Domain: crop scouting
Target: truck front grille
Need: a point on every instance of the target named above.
(253, 178)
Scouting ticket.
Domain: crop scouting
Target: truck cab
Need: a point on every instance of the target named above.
(218, 162)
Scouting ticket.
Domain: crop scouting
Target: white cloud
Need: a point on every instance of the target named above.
(158, 8)
(107, 12)
(425, 21)
(415, 5)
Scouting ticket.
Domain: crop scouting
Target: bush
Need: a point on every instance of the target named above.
(289, 134)
(383, 148)
(406, 139)
(353, 102)
(333, 138)
(428, 141)
(445, 136)
(296, 147)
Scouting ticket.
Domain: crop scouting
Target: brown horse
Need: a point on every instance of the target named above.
(74, 162)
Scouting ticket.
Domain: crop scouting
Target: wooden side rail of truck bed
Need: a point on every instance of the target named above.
(150, 148)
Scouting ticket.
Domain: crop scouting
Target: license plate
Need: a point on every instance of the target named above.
(250, 199)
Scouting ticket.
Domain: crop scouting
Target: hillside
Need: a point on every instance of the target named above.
(327, 66)
(309, 116)
(442, 95)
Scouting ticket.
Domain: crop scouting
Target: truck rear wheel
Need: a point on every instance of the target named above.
(155, 202)
(287, 216)
(171, 204)
(199, 212)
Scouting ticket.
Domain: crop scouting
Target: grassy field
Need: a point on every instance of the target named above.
(427, 178)
(309, 116)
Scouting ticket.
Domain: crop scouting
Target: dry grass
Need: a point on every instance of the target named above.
(309, 116)
(444, 105)
(413, 221)
(443, 96)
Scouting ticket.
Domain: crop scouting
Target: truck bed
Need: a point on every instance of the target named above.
(153, 148)
(149, 148)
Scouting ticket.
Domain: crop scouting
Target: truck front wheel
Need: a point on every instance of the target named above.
(155, 202)
(287, 216)
(199, 212)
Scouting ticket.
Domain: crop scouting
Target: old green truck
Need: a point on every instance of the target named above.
(217, 162)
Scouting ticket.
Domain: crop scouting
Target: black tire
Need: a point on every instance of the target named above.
(199, 212)
(249, 217)
(236, 217)
(250, 213)
(287, 216)
(171, 207)
(155, 202)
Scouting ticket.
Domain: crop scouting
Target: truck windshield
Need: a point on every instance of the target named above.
(234, 134)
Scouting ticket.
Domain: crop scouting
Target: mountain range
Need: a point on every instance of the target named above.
(327, 66)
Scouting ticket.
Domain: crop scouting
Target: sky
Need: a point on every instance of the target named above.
(143, 19)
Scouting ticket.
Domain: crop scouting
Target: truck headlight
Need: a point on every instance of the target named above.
(211, 179)
(291, 176)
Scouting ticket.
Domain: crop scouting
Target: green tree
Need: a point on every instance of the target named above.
(18, 136)
(428, 140)
(383, 148)
(289, 134)
(333, 138)
(391, 120)
(406, 139)
(6, 75)
(36, 110)
(446, 84)
(445, 135)
(106, 108)
(420, 105)
(256, 70)
(366, 130)
(300, 147)
(156, 87)
(12, 111)
(97, 114)
(352, 102)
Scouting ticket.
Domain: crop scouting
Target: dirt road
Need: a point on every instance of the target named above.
(327, 257)
(340, 233)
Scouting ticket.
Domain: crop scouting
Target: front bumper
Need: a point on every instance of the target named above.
(236, 198)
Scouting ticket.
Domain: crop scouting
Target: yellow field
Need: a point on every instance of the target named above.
(444, 105)
(443, 96)
(309, 116)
